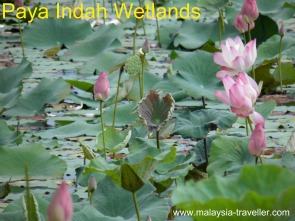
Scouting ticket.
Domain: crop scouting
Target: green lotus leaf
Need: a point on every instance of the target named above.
(197, 74)
(8, 136)
(266, 187)
(198, 124)
(40, 163)
(114, 140)
(155, 111)
(48, 91)
(49, 32)
(228, 155)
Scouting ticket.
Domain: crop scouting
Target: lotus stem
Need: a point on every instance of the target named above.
(221, 25)
(247, 128)
(90, 198)
(206, 151)
(142, 77)
(158, 29)
(21, 38)
(280, 65)
(249, 33)
(136, 206)
(250, 124)
(158, 139)
(102, 131)
(203, 102)
(143, 23)
(245, 40)
(134, 37)
(116, 99)
(256, 160)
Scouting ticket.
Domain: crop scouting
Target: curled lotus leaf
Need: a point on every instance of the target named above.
(155, 111)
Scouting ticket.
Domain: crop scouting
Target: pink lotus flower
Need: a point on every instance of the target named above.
(101, 88)
(241, 25)
(250, 11)
(257, 141)
(257, 118)
(239, 94)
(235, 58)
(61, 205)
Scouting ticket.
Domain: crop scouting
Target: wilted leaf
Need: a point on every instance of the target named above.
(155, 111)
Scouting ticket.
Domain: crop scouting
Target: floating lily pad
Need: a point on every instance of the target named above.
(155, 111)
(198, 124)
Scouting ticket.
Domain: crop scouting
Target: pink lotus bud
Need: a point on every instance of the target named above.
(235, 57)
(241, 25)
(282, 30)
(101, 88)
(239, 94)
(61, 205)
(92, 184)
(18, 3)
(146, 47)
(250, 11)
(257, 141)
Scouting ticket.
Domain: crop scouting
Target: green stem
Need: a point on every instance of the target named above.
(136, 206)
(21, 38)
(116, 99)
(134, 37)
(247, 128)
(206, 151)
(90, 198)
(245, 40)
(260, 158)
(249, 32)
(142, 77)
(204, 103)
(158, 139)
(158, 28)
(104, 6)
(142, 20)
(102, 131)
(256, 160)
(221, 25)
(250, 124)
(280, 65)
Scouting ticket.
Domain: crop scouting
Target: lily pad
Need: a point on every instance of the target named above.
(198, 124)
(155, 111)
(197, 74)
(40, 163)
(49, 32)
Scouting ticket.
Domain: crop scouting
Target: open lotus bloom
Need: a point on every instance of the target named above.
(250, 11)
(257, 141)
(101, 87)
(61, 205)
(235, 57)
(241, 25)
(240, 94)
